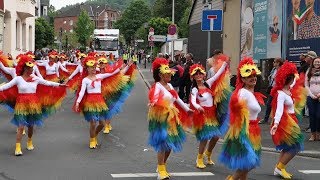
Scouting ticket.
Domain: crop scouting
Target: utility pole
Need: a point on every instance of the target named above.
(60, 40)
(172, 43)
(209, 35)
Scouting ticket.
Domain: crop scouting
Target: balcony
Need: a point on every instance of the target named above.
(26, 8)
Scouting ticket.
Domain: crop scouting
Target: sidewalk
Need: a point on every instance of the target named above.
(311, 149)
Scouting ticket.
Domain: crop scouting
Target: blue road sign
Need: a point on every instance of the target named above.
(212, 20)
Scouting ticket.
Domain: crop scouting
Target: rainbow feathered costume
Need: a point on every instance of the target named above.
(31, 109)
(165, 123)
(222, 90)
(288, 137)
(242, 143)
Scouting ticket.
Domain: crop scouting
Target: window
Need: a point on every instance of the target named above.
(24, 36)
(18, 32)
(30, 38)
(64, 22)
(65, 31)
(71, 22)
(71, 30)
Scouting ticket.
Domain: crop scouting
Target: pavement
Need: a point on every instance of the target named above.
(61, 150)
(312, 149)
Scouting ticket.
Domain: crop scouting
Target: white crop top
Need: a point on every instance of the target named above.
(252, 103)
(206, 99)
(92, 87)
(13, 74)
(167, 95)
(283, 100)
(27, 87)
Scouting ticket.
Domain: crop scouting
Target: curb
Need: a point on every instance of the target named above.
(144, 79)
(310, 154)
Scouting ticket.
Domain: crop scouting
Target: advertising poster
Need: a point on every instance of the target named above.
(303, 27)
(246, 43)
(261, 26)
(260, 29)
(274, 27)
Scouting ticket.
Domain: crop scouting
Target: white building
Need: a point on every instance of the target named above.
(19, 26)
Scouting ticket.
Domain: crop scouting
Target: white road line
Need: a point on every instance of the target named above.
(184, 174)
(310, 171)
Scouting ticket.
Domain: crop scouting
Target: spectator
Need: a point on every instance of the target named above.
(277, 63)
(176, 78)
(312, 84)
(185, 86)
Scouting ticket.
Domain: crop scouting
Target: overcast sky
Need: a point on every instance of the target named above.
(61, 3)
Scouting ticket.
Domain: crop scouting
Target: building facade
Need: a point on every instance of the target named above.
(42, 8)
(1, 23)
(19, 26)
(103, 17)
(226, 40)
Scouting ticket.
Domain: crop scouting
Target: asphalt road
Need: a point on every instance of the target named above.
(61, 150)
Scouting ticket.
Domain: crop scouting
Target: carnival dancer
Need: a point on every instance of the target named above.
(51, 68)
(74, 81)
(89, 99)
(118, 87)
(289, 100)
(205, 120)
(7, 69)
(165, 119)
(242, 144)
(67, 65)
(29, 94)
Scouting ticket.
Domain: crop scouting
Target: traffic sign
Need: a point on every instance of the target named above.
(140, 40)
(212, 20)
(151, 44)
(172, 37)
(157, 38)
(172, 29)
(151, 31)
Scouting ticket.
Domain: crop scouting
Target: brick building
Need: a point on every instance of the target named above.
(102, 16)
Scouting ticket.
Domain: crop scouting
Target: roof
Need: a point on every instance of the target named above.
(91, 9)
(192, 8)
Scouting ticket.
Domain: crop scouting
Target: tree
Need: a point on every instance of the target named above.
(84, 28)
(72, 39)
(183, 24)
(133, 17)
(52, 14)
(160, 25)
(163, 8)
(44, 33)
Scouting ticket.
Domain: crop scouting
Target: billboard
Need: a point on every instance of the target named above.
(261, 26)
(303, 27)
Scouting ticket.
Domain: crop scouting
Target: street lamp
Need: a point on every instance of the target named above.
(66, 42)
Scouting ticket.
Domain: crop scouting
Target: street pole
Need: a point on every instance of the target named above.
(209, 37)
(172, 43)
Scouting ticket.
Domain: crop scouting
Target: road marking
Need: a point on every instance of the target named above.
(184, 174)
(310, 171)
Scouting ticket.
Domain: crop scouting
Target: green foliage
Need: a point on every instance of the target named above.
(84, 28)
(118, 4)
(52, 14)
(44, 33)
(163, 8)
(72, 39)
(133, 18)
(160, 25)
(183, 24)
